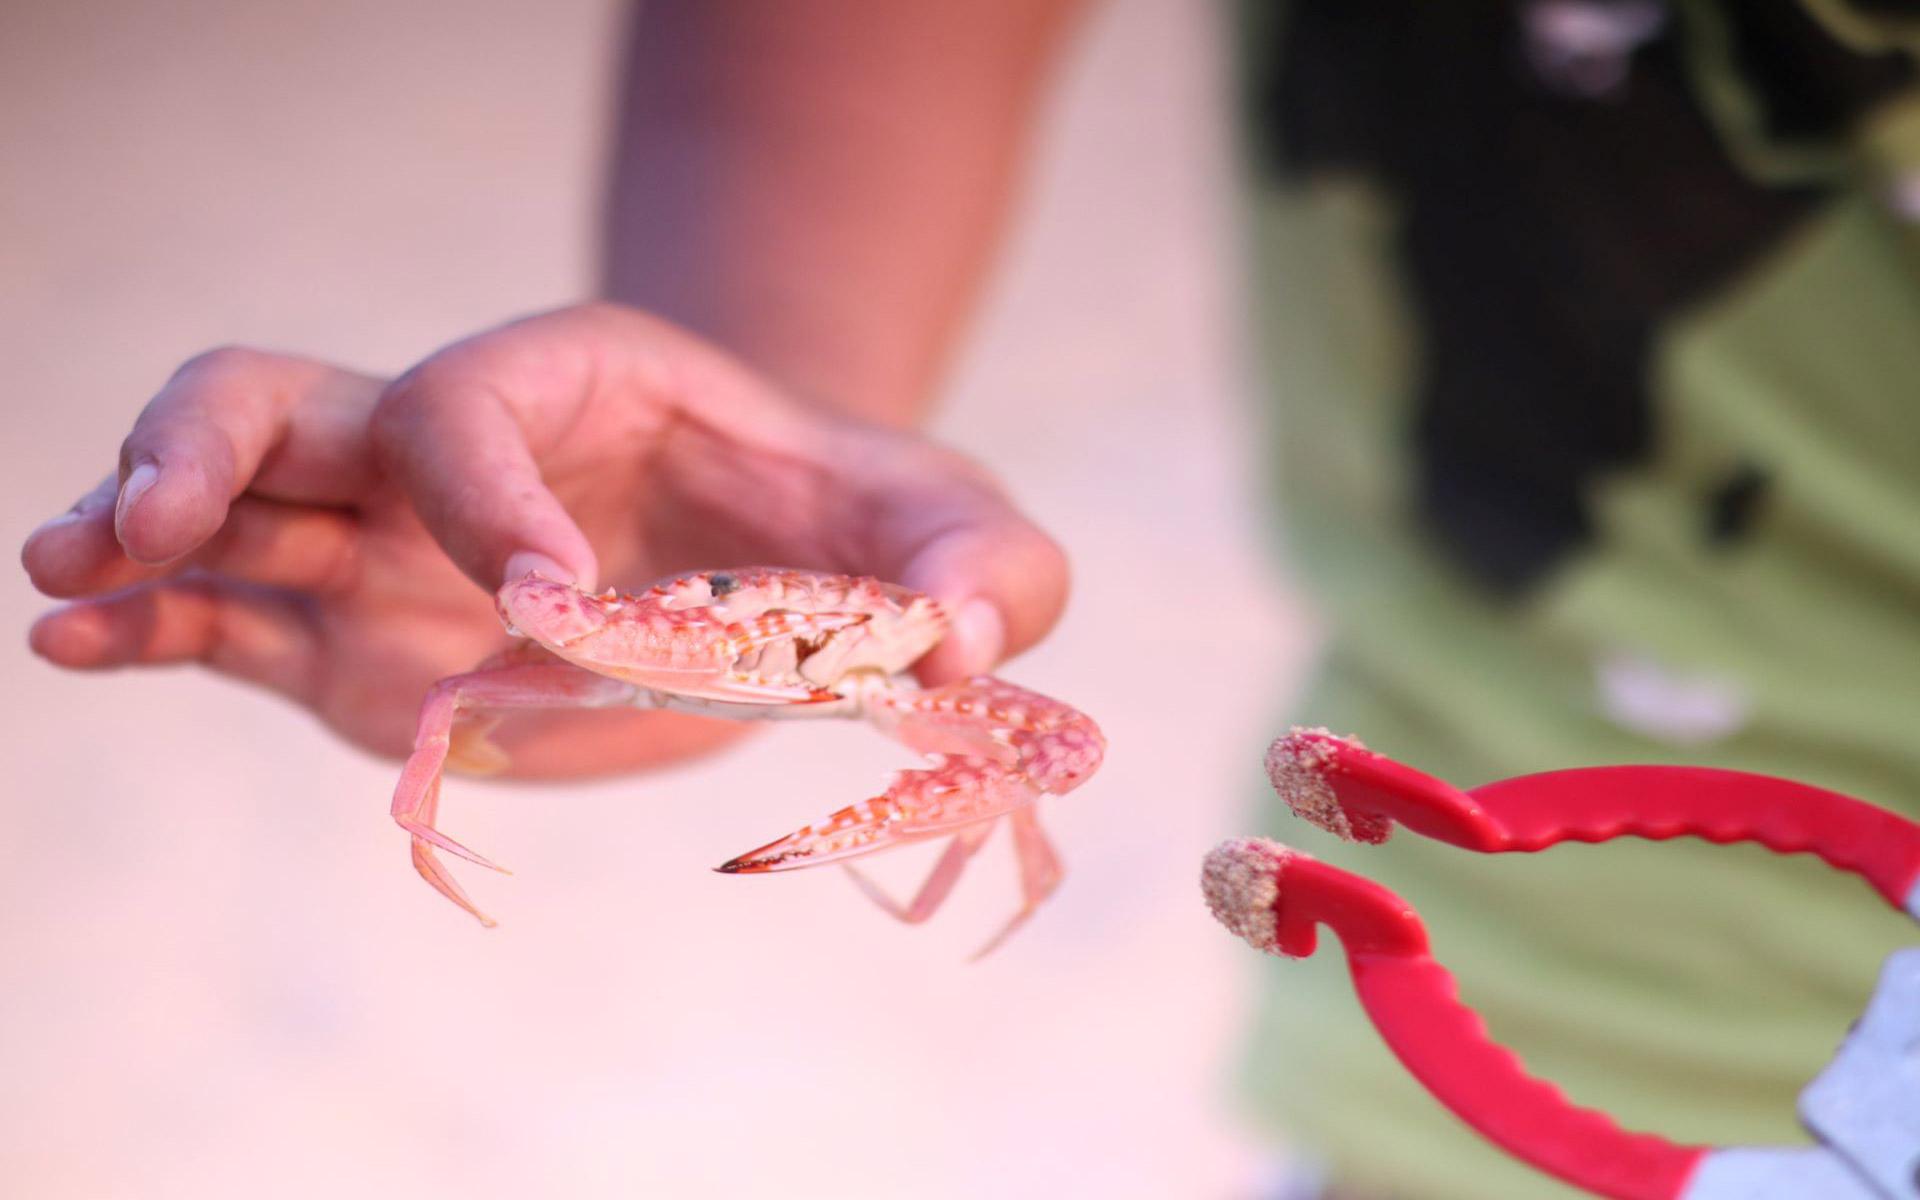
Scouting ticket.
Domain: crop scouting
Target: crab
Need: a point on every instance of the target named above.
(765, 642)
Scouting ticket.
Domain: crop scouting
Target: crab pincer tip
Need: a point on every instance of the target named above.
(1240, 879)
(754, 862)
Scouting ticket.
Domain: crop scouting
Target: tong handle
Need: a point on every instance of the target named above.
(1596, 804)
(1415, 1004)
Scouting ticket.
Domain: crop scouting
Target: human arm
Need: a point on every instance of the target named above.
(820, 187)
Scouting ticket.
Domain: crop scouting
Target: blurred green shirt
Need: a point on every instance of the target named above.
(1597, 366)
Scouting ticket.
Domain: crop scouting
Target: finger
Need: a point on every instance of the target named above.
(249, 633)
(298, 547)
(455, 432)
(944, 529)
(595, 387)
(64, 544)
(233, 420)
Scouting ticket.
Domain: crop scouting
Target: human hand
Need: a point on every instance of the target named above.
(337, 538)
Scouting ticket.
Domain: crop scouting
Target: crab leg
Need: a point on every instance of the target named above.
(939, 882)
(524, 681)
(1040, 873)
(995, 749)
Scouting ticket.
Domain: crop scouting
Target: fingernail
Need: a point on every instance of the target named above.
(52, 523)
(525, 562)
(86, 506)
(981, 634)
(138, 481)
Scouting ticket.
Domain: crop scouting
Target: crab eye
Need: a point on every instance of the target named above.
(722, 584)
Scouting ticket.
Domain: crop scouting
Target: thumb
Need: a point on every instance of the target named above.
(1002, 581)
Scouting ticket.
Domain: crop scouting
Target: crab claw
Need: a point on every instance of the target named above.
(855, 830)
(955, 793)
(994, 749)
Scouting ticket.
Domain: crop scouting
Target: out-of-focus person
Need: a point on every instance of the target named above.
(1593, 327)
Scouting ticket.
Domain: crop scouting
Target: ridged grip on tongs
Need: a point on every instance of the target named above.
(1275, 897)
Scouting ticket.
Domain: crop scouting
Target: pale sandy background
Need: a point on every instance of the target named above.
(218, 976)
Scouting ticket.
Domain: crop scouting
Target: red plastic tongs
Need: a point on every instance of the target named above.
(1864, 1109)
